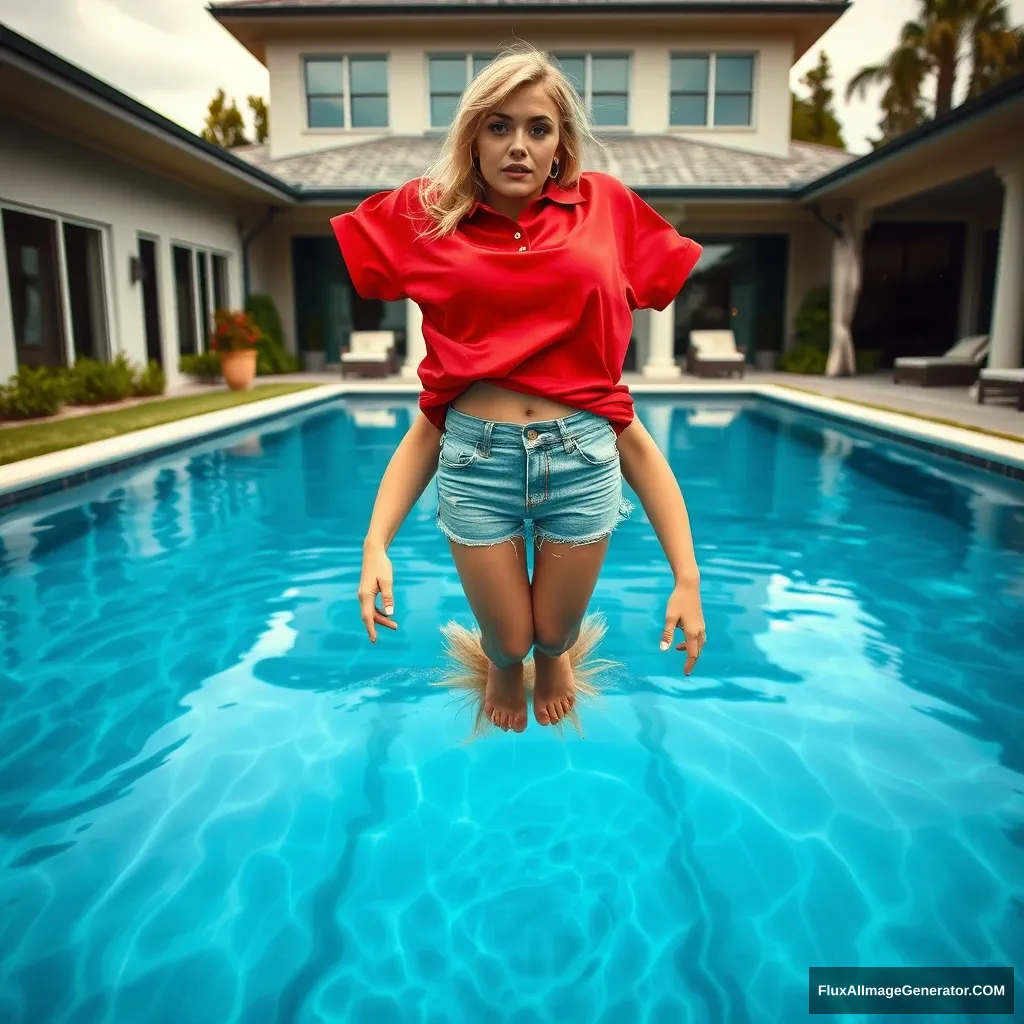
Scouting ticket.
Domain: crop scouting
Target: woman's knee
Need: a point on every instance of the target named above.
(554, 639)
(508, 646)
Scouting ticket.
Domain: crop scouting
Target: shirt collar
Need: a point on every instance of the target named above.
(564, 196)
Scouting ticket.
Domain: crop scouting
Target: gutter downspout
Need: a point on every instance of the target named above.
(247, 239)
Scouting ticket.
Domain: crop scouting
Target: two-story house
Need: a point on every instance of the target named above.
(122, 231)
(691, 104)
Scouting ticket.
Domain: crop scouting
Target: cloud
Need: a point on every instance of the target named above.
(169, 54)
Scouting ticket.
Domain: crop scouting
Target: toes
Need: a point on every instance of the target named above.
(519, 722)
(542, 715)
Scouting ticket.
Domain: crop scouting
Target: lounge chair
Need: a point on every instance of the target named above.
(370, 354)
(958, 367)
(712, 353)
(1005, 383)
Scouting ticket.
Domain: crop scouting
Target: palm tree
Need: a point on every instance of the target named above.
(903, 74)
(944, 33)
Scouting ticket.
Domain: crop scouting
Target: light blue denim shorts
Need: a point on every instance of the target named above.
(558, 478)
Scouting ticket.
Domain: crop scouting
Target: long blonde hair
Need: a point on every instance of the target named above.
(452, 184)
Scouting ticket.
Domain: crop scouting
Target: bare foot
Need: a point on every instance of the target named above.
(505, 699)
(554, 688)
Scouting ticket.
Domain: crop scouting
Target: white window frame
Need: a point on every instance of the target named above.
(588, 82)
(106, 259)
(450, 55)
(346, 93)
(202, 338)
(712, 56)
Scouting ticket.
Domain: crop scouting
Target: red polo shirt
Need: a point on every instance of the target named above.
(542, 305)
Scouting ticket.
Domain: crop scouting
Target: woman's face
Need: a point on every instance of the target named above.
(515, 146)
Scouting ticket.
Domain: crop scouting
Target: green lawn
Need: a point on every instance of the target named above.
(27, 440)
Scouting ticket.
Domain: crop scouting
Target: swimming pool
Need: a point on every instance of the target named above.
(219, 803)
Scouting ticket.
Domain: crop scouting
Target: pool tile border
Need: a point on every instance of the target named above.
(24, 481)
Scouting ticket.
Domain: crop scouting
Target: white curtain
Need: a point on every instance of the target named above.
(845, 292)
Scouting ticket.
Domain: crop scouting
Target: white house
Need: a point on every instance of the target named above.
(122, 231)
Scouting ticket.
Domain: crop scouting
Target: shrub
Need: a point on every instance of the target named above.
(273, 357)
(151, 381)
(33, 392)
(803, 359)
(91, 382)
(205, 366)
(813, 327)
(869, 359)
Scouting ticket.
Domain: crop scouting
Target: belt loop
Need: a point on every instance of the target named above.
(485, 445)
(567, 439)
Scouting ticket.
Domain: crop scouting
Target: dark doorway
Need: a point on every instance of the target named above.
(910, 295)
(327, 308)
(738, 285)
(185, 300)
(151, 301)
(83, 253)
(30, 245)
(989, 262)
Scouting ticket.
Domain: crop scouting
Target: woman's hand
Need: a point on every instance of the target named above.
(376, 579)
(684, 610)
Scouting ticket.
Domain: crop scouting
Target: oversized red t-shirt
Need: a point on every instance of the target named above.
(541, 306)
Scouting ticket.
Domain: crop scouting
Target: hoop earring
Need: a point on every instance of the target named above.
(555, 168)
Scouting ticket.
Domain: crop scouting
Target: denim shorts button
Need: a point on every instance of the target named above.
(532, 435)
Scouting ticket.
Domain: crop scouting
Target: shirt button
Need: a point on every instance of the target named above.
(519, 234)
(522, 248)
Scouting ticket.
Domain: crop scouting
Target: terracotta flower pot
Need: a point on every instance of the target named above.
(238, 367)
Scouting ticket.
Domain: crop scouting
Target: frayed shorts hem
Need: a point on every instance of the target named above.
(477, 543)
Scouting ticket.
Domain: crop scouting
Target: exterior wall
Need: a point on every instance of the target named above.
(44, 174)
(409, 93)
(270, 271)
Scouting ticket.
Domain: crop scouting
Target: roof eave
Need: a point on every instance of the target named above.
(29, 58)
(705, 7)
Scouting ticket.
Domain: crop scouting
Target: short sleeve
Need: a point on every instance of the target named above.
(656, 258)
(375, 240)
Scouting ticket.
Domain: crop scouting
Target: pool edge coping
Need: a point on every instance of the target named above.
(42, 474)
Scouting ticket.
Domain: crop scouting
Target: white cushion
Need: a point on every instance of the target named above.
(967, 348)
(1007, 375)
(371, 341)
(715, 344)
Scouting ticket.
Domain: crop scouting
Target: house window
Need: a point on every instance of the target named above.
(602, 81)
(347, 91)
(449, 74)
(200, 288)
(715, 89)
(58, 289)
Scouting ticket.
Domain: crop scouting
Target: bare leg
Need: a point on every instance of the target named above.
(564, 577)
(498, 590)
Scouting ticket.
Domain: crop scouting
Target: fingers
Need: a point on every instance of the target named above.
(387, 594)
(693, 648)
(668, 632)
(367, 612)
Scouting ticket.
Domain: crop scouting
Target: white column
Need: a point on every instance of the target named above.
(8, 350)
(661, 360)
(1008, 307)
(415, 346)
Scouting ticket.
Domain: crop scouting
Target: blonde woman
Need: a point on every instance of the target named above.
(527, 270)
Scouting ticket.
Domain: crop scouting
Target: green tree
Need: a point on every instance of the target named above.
(224, 125)
(814, 118)
(260, 118)
(945, 34)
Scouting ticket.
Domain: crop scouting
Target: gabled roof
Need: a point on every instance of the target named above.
(646, 163)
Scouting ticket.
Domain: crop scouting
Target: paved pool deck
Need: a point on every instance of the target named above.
(835, 398)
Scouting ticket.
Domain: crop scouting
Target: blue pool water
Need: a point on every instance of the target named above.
(220, 804)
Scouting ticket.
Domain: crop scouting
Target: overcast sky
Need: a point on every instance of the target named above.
(172, 55)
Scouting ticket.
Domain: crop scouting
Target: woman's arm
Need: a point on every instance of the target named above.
(411, 468)
(647, 471)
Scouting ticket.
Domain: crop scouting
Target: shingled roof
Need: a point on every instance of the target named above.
(659, 162)
(682, 6)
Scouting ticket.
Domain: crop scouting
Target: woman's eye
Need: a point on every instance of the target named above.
(496, 126)
(540, 129)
